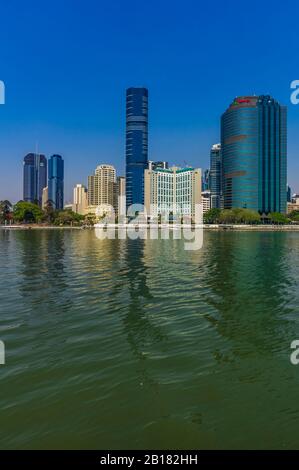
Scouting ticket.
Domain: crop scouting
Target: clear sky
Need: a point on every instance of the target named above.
(66, 65)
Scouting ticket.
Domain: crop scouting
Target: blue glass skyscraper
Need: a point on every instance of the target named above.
(34, 177)
(56, 182)
(136, 144)
(254, 154)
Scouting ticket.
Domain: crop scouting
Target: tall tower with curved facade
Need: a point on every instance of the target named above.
(136, 144)
(254, 154)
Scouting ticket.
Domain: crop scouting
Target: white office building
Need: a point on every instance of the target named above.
(174, 191)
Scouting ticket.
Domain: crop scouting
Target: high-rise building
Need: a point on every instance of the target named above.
(45, 197)
(289, 194)
(206, 180)
(120, 197)
(174, 190)
(216, 177)
(80, 200)
(34, 177)
(101, 186)
(254, 154)
(206, 200)
(136, 144)
(56, 181)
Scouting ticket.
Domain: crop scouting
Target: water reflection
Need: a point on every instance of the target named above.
(249, 283)
(42, 276)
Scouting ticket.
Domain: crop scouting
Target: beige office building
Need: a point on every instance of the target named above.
(174, 190)
(45, 197)
(120, 196)
(294, 205)
(80, 199)
(101, 186)
(206, 201)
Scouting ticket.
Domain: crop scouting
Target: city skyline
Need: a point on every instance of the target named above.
(71, 93)
(209, 164)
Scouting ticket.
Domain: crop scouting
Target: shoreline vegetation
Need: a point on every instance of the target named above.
(211, 227)
(27, 216)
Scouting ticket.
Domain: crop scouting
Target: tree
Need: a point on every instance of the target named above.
(67, 217)
(27, 212)
(239, 216)
(250, 217)
(278, 218)
(49, 211)
(212, 216)
(227, 216)
(294, 216)
(90, 219)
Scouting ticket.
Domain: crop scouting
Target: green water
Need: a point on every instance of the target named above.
(140, 344)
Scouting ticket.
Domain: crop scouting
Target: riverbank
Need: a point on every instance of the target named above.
(218, 227)
(253, 228)
(39, 227)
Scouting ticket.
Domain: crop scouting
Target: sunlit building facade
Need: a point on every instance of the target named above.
(174, 190)
(80, 199)
(101, 186)
(254, 154)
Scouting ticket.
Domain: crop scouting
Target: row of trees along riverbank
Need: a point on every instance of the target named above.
(26, 212)
(247, 216)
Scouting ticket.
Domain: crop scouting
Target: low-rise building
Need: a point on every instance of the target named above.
(206, 201)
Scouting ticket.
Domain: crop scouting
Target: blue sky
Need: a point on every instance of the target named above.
(66, 66)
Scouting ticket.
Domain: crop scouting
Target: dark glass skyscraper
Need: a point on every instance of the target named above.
(254, 154)
(205, 185)
(34, 177)
(136, 144)
(216, 177)
(56, 181)
(289, 194)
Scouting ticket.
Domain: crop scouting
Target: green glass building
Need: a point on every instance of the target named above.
(254, 154)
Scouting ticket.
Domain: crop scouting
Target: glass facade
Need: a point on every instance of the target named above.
(136, 144)
(253, 142)
(34, 177)
(216, 177)
(56, 182)
(206, 181)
